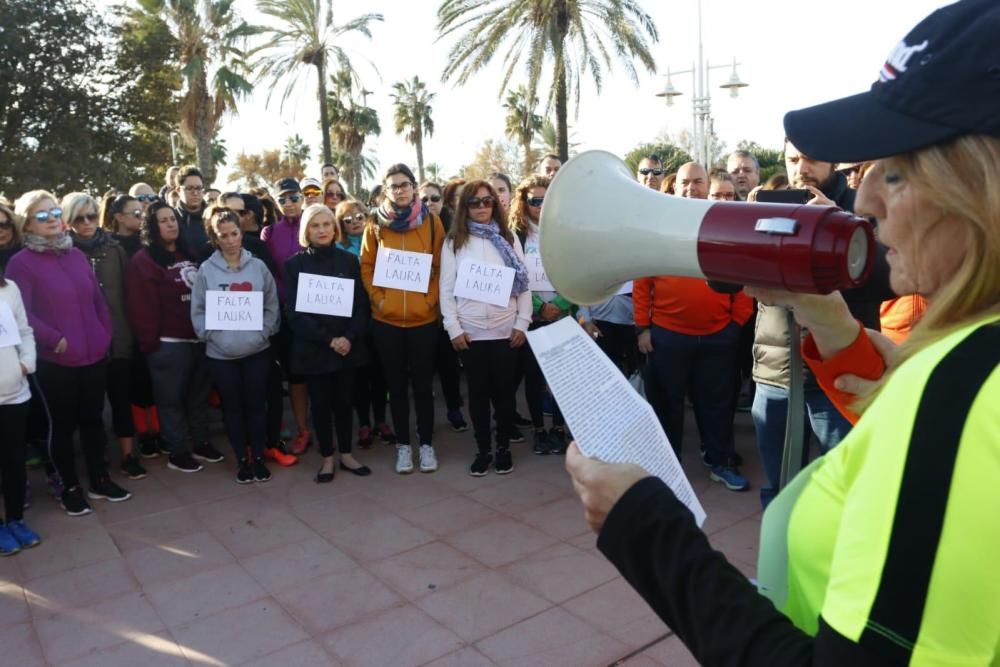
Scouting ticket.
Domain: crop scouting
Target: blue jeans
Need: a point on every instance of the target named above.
(770, 412)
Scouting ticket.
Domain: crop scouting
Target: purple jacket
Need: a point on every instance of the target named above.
(63, 300)
(282, 239)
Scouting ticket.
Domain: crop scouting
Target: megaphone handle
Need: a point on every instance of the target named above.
(791, 459)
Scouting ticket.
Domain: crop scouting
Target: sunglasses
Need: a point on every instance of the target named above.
(646, 171)
(358, 217)
(433, 198)
(55, 214)
(334, 195)
(480, 202)
(145, 198)
(535, 201)
(85, 217)
(295, 199)
(312, 192)
(6, 224)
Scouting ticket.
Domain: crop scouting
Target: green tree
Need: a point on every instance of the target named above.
(575, 37)
(435, 172)
(412, 116)
(351, 123)
(295, 150)
(211, 40)
(548, 141)
(254, 170)
(493, 155)
(672, 156)
(772, 161)
(302, 34)
(522, 123)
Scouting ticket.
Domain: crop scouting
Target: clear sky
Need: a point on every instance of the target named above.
(793, 54)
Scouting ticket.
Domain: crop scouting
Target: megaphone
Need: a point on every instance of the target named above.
(600, 229)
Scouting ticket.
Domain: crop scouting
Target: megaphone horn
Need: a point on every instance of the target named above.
(600, 228)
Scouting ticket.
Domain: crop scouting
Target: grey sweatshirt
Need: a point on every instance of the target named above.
(250, 275)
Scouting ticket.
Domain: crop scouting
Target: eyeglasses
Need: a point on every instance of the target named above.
(646, 171)
(535, 201)
(194, 188)
(55, 214)
(85, 217)
(400, 187)
(358, 217)
(6, 224)
(433, 198)
(295, 199)
(480, 202)
(145, 198)
(312, 192)
(334, 195)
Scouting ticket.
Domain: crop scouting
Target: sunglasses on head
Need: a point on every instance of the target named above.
(433, 198)
(357, 217)
(85, 217)
(283, 199)
(145, 198)
(535, 201)
(480, 202)
(55, 214)
(646, 171)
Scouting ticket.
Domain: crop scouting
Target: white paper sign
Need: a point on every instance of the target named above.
(609, 420)
(402, 269)
(234, 311)
(538, 280)
(488, 283)
(325, 295)
(625, 289)
(10, 334)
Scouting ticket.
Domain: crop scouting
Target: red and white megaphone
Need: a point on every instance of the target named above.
(600, 229)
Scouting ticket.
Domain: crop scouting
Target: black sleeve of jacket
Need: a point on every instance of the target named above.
(652, 539)
(306, 325)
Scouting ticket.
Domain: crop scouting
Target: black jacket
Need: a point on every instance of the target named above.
(311, 352)
(192, 226)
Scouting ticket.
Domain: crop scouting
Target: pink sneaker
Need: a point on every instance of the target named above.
(301, 442)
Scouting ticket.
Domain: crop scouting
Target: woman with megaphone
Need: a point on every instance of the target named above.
(883, 551)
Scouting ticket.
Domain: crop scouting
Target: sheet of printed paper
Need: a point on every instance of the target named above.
(234, 311)
(487, 283)
(10, 335)
(324, 295)
(609, 420)
(538, 280)
(402, 269)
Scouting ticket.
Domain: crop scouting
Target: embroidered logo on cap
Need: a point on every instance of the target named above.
(898, 60)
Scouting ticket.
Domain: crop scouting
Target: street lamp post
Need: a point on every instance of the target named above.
(701, 103)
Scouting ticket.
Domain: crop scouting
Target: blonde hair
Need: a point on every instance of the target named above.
(518, 216)
(311, 212)
(26, 202)
(958, 179)
(75, 202)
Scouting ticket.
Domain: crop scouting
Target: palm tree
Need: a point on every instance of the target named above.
(302, 34)
(523, 123)
(548, 140)
(295, 150)
(413, 115)
(351, 124)
(210, 37)
(577, 36)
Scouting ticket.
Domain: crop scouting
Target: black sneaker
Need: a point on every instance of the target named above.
(541, 446)
(105, 489)
(481, 465)
(557, 441)
(244, 475)
(521, 421)
(206, 452)
(74, 503)
(516, 435)
(260, 471)
(734, 460)
(504, 463)
(183, 462)
(131, 467)
(149, 448)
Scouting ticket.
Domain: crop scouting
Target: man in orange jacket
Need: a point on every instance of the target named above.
(691, 333)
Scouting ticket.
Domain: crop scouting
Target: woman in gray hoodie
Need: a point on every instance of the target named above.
(234, 309)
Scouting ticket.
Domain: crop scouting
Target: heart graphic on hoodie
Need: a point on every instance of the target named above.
(241, 287)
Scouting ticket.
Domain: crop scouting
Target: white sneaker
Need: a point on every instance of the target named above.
(428, 461)
(404, 459)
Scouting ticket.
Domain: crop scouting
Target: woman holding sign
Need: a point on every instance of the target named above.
(547, 307)
(400, 262)
(234, 309)
(328, 312)
(486, 304)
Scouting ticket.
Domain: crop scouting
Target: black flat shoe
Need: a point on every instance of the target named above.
(360, 471)
(323, 477)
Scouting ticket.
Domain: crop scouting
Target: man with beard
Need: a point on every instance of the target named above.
(829, 187)
(745, 170)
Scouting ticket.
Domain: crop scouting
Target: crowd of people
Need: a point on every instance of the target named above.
(118, 297)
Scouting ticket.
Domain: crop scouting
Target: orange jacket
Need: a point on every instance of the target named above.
(399, 307)
(898, 316)
(687, 305)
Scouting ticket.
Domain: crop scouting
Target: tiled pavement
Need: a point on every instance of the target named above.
(438, 569)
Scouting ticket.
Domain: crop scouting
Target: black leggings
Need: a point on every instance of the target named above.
(370, 389)
(13, 425)
(119, 374)
(489, 371)
(619, 342)
(446, 366)
(330, 395)
(75, 398)
(241, 383)
(534, 390)
(275, 402)
(407, 356)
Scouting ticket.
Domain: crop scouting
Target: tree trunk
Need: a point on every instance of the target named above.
(203, 132)
(562, 122)
(324, 118)
(419, 143)
(529, 158)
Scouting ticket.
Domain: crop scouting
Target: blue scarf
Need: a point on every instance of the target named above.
(491, 232)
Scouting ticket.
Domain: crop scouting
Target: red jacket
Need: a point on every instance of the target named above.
(687, 305)
(159, 299)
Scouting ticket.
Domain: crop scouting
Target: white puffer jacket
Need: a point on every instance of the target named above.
(13, 384)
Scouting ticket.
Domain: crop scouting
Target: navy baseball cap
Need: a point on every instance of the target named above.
(287, 185)
(941, 82)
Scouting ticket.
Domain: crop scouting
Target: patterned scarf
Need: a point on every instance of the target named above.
(491, 232)
(88, 246)
(57, 245)
(402, 219)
